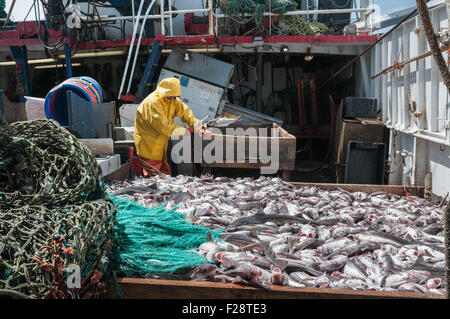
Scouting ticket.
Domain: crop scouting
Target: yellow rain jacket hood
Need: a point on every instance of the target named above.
(154, 123)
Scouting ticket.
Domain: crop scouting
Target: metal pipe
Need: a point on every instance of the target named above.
(52, 66)
(368, 48)
(170, 18)
(214, 50)
(68, 61)
(161, 4)
(187, 11)
(270, 18)
(166, 14)
(138, 46)
(416, 58)
(60, 57)
(216, 25)
(12, 63)
(102, 54)
(130, 50)
(95, 54)
(150, 16)
(132, 9)
(10, 11)
(309, 12)
(210, 18)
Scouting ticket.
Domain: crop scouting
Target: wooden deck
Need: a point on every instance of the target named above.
(137, 288)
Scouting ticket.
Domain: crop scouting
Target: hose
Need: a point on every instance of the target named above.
(138, 46)
(131, 50)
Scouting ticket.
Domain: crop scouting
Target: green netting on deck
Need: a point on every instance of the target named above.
(154, 240)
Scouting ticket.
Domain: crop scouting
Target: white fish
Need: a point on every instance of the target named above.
(324, 233)
(355, 271)
(396, 280)
(336, 263)
(433, 283)
(229, 259)
(412, 287)
(355, 238)
(308, 231)
(333, 245)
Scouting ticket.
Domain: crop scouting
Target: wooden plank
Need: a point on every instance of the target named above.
(141, 288)
(320, 130)
(286, 147)
(123, 173)
(286, 175)
(248, 165)
(370, 121)
(392, 189)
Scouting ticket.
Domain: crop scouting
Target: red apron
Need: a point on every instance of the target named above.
(162, 166)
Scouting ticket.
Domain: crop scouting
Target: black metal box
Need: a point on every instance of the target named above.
(365, 163)
(360, 107)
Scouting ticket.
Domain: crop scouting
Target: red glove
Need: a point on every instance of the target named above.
(204, 132)
(189, 130)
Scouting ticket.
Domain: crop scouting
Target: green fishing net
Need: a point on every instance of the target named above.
(295, 25)
(238, 11)
(245, 14)
(154, 240)
(51, 196)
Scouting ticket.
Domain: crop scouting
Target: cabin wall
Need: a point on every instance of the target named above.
(415, 105)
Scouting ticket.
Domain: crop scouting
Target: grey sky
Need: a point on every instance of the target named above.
(20, 10)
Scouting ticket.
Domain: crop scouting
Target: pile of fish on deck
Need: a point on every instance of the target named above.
(275, 233)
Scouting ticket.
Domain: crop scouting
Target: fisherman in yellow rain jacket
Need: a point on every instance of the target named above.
(154, 124)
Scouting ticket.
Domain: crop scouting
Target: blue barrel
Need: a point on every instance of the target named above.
(56, 101)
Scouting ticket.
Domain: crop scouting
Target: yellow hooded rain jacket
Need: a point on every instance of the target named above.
(154, 123)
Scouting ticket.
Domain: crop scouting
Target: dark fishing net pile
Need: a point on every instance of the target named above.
(53, 213)
(246, 17)
(244, 14)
